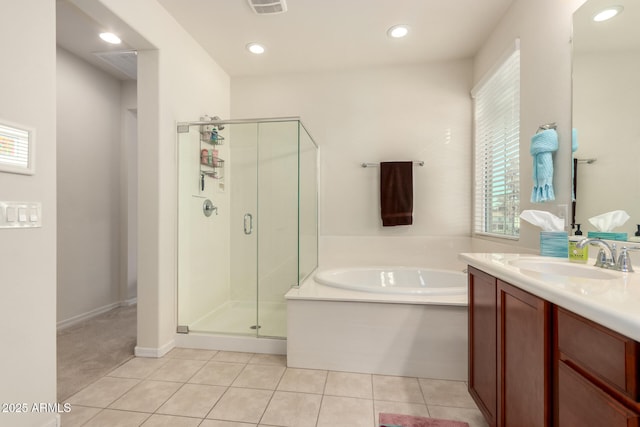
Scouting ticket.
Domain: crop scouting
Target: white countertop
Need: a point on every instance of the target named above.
(614, 303)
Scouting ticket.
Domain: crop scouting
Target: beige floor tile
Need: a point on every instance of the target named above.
(147, 396)
(397, 389)
(113, 418)
(233, 356)
(78, 415)
(192, 400)
(292, 409)
(191, 354)
(348, 384)
(345, 412)
(269, 359)
(303, 380)
(157, 420)
(472, 416)
(139, 367)
(446, 393)
(217, 373)
(241, 405)
(218, 423)
(415, 409)
(103, 392)
(259, 376)
(179, 370)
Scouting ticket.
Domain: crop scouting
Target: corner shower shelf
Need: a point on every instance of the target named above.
(207, 137)
(215, 170)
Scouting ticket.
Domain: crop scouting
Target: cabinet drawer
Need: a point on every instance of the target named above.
(583, 404)
(605, 354)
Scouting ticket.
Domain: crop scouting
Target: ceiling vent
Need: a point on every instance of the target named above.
(265, 7)
(124, 61)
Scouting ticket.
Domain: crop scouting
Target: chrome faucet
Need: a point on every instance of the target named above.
(606, 255)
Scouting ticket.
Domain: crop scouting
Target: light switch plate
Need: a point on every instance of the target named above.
(20, 214)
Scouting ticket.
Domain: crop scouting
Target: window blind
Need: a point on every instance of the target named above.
(496, 142)
(15, 155)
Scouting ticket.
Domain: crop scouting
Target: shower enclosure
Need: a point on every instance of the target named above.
(247, 223)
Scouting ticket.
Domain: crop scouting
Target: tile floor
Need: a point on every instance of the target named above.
(189, 388)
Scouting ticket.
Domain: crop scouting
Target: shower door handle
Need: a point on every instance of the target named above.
(248, 223)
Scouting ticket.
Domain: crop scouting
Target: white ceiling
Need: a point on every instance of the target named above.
(312, 34)
(622, 33)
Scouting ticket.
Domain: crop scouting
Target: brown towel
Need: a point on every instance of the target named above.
(396, 193)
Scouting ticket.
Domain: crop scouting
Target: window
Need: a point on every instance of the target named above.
(496, 115)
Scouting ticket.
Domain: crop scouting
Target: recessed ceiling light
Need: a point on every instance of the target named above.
(607, 13)
(255, 48)
(110, 38)
(398, 31)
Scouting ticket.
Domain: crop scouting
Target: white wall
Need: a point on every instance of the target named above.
(544, 29)
(28, 256)
(418, 112)
(89, 188)
(177, 81)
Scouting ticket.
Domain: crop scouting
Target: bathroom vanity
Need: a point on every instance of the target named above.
(553, 343)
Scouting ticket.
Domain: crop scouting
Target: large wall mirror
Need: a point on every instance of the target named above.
(606, 112)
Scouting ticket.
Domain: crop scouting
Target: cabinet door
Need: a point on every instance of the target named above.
(482, 342)
(524, 358)
(583, 404)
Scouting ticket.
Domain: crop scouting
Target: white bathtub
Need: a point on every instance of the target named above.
(395, 280)
(417, 331)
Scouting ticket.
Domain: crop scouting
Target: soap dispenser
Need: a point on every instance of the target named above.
(636, 237)
(577, 254)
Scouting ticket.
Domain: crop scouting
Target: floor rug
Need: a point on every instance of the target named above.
(397, 420)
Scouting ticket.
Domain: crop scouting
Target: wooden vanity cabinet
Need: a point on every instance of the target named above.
(483, 356)
(598, 374)
(509, 353)
(532, 363)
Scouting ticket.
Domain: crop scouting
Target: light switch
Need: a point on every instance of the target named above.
(20, 215)
(11, 214)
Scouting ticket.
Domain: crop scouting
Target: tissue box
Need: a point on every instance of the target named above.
(554, 243)
(607, 235)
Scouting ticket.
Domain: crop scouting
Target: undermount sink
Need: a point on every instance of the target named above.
(563, 268)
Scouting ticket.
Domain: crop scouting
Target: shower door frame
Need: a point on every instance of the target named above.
(184, 127)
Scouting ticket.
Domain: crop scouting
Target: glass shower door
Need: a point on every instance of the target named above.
(277, 170)
(243, 226)
(247, 232)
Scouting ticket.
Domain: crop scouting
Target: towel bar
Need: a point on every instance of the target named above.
(373, 165)
(587, 161)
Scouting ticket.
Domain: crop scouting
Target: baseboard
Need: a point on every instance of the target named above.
(129, 302)
(154, 352)
(208, 341)
(93, 313)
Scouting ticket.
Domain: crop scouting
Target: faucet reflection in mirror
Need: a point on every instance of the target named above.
(606, 90)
